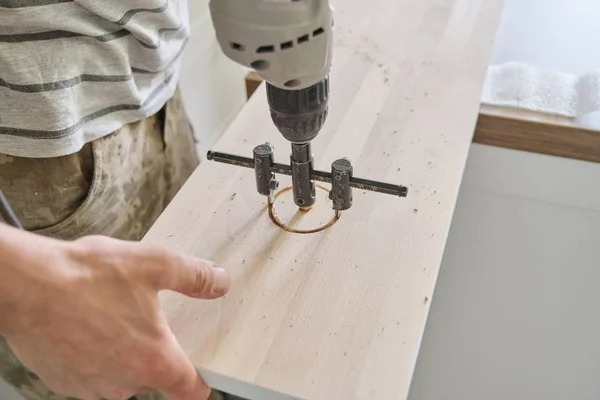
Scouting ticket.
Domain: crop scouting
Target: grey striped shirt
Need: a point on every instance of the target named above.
(72, 71)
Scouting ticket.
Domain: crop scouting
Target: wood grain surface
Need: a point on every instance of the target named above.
(339, 314)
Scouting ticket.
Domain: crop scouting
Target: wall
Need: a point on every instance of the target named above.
(515, 311)
(212, 86)
(550, 33)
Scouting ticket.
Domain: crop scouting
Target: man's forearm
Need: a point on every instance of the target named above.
(25, 261)
(12, 245)
(9, 261)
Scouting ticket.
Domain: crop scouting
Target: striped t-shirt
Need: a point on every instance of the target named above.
(72, 71)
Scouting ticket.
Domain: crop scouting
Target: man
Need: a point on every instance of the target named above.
(93, 141)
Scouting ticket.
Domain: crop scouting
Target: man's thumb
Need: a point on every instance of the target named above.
(195, 277)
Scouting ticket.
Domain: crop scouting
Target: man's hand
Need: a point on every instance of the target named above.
(85, 316)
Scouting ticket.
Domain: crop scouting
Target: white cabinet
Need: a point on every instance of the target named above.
(515, 312)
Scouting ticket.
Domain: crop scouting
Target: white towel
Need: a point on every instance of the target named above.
(525, 86)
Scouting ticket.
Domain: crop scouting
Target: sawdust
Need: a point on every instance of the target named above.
(277, 221)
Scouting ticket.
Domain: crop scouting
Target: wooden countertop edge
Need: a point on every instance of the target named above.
(537, 134)
(520, 130)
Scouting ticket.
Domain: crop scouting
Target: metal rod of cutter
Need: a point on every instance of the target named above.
(322, 176)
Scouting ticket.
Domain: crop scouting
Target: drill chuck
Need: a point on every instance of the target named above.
(303, 183)
(299, 114)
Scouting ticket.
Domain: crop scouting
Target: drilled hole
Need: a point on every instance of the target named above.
(237, 46)
(265, 49)
(295, 220)
(318, 32)
(260, 65)
(287, 45)
(292, 83)
(303, 39)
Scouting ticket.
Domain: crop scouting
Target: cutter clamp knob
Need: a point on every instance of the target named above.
(341, 191)
(266, 183)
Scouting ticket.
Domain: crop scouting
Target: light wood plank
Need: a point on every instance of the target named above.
(340, 314)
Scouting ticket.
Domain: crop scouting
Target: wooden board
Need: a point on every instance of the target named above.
(339, 314)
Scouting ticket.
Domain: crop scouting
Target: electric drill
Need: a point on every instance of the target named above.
(289, 44)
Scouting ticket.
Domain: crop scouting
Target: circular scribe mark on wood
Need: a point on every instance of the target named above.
(286, 215)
